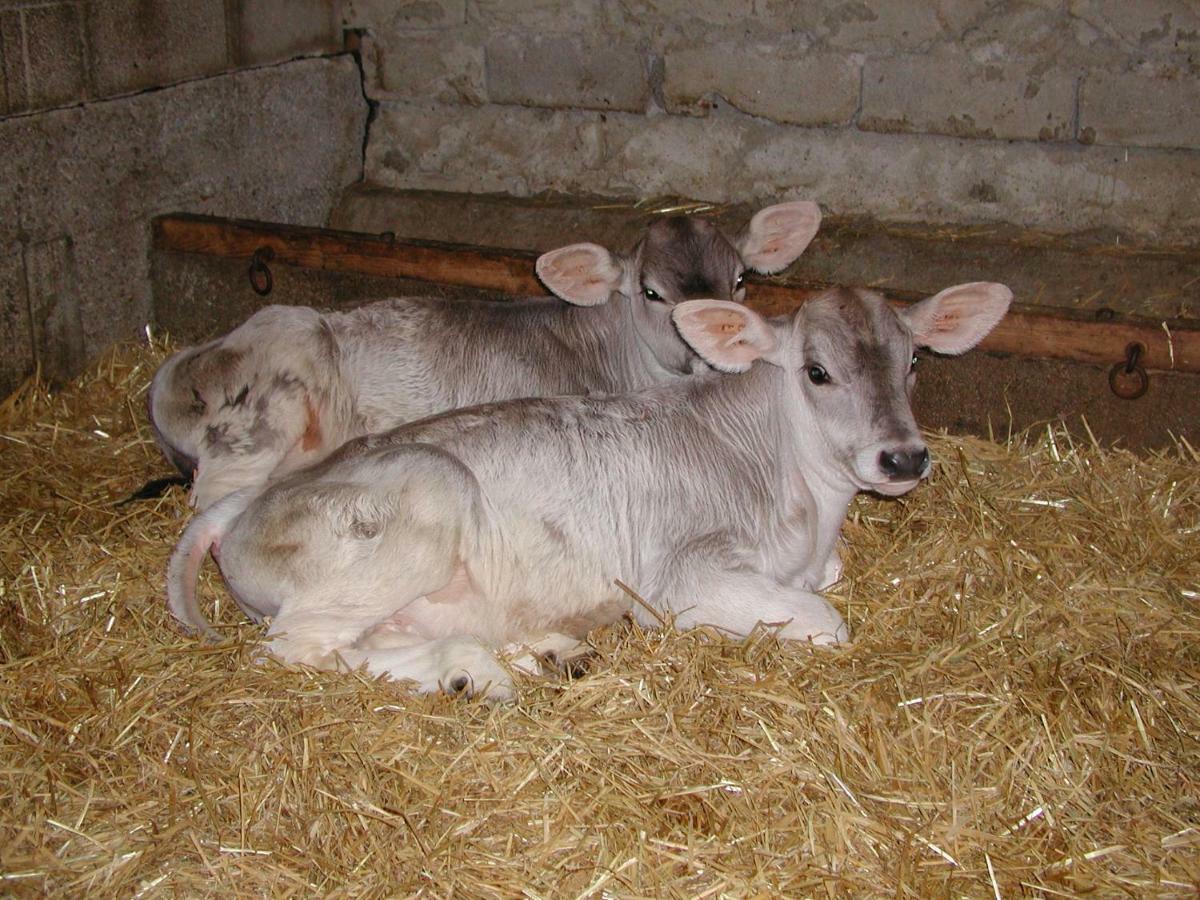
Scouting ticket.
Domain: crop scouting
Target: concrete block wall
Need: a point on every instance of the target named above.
(114, 112)
(59, 53)
(1062, 115)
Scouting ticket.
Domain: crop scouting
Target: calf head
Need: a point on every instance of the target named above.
(679, 258)
(180, 396)
(848, 360)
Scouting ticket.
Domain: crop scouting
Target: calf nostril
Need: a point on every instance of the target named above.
(889, 463)
(904, 463)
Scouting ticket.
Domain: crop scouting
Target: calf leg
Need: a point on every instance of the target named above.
(333, 637)
(457, 664)
(555, 653)
(708, 585)
(736, 603)
(220, 474)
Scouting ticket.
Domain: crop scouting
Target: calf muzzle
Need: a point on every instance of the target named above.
(903, 465)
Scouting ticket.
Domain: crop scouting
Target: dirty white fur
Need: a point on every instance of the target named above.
(719, 499)
(291, 384)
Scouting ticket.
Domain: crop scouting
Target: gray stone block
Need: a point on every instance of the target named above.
(892, 177)
(509, 150)
(894, 26)
(16, 339)
(724, 14)
(12, 184)
(555, 16)
(1141, 110)
(54, 56)
(953, 95)
(442, 66)
(1156, 28)
(1051, 186)
(238, 145)
(54, 311)
(268, 31)
(155, 43)
(388, 19)
(554, 70)
(13, 97)
(781, 82)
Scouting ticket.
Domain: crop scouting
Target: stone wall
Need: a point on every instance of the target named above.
(114, 112)
(1063, 115)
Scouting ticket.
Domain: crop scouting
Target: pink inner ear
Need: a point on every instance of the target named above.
(582, 274)
(956, 319)
(779, 234)
(719, 338)
(726, 335)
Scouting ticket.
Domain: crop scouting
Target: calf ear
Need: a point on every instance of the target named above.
(726, 335)
(778, 234)
(956, 319)
(583, 274)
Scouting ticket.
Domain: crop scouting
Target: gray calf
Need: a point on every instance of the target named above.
(718, 498)
(291, 384)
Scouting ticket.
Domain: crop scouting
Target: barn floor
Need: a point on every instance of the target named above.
(1019, 712)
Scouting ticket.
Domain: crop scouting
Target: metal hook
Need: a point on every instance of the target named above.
(260, 274)
(1128, 379)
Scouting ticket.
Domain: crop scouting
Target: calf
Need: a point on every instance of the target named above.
(291, 384)
(718, 498)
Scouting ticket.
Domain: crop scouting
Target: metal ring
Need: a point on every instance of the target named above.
(260, 274)
(1128, 378)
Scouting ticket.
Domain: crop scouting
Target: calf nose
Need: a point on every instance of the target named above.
(904, 464)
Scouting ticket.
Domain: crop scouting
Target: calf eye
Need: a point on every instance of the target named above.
(818, 375)
(913, 364)
(739, 282)
(650, 293)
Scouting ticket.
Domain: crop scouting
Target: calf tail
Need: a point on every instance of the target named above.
(203, 533)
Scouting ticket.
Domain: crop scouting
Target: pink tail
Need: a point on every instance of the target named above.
(202, 534)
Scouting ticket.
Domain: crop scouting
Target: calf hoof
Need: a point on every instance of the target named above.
(554, 654)
(471, 670)
(575, 666)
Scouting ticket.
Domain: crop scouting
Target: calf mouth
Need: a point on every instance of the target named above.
(181, 461)
(894, 488)
(891, 470)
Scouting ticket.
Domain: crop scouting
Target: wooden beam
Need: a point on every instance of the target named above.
(1172, 345)
(507, 271)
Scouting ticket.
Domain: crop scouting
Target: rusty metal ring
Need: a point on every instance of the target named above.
(260, 274)
(1128, 378)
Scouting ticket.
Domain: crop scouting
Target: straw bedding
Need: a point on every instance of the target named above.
(1018, 713)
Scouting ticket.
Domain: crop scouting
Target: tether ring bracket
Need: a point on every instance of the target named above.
(1128, 378)
(260, 273)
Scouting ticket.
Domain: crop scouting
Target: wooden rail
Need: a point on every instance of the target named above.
(1171, 345)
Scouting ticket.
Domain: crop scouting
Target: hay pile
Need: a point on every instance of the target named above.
(1018, 714)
